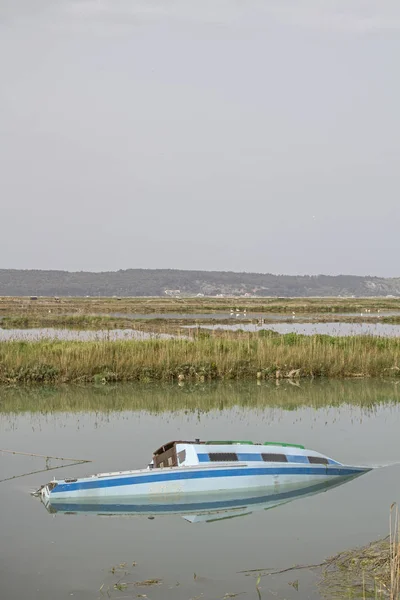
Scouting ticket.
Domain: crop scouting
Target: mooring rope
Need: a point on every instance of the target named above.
(71, 462)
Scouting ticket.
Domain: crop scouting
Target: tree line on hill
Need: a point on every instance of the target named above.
(155, 282)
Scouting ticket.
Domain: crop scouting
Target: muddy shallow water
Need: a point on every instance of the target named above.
(46, 556)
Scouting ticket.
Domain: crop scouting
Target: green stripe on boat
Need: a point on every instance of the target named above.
(231, 442)
(228, 442)
(284, 444)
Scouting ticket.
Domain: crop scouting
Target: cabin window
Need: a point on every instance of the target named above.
(223, 456)
(274, 457)
(182, 456)
(317, 460)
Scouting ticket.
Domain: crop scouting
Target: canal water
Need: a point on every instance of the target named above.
(44, 556)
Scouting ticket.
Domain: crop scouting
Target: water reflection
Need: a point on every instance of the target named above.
(198, 398)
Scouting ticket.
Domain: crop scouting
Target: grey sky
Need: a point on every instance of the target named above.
(254, 135)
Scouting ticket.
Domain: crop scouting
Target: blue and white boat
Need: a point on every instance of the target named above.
(194, 467)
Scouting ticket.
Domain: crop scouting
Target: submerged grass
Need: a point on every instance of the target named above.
(372, 571)
(209, 356)
(369, 572)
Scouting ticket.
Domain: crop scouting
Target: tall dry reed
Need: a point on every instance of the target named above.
(223, 356)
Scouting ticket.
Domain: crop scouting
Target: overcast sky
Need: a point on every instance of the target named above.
(243, 135)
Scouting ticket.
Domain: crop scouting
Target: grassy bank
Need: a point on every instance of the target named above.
(265, 355)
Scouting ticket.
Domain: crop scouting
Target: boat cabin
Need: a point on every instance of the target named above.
(172, 454)
(180, 453)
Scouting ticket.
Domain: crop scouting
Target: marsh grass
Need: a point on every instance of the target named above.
(80, 322)
(209, 356)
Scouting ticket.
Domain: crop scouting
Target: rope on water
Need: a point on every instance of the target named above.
(80, 460)
(40, 471)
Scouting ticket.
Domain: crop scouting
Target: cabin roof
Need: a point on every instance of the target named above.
(170, 445)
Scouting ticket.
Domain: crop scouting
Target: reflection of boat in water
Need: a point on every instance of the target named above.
(188, 470)
(210, 508)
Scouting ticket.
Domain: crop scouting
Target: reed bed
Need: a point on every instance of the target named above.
(208, 356)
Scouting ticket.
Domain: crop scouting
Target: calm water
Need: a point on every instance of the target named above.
(71, 334)
(250, 314)
(376, 329)
(45, 556)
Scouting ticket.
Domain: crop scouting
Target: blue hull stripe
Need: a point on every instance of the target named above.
(215, 474)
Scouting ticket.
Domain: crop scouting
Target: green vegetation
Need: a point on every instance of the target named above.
(208, 356)
(83, 322)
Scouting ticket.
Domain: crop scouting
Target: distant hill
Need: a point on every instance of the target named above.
(155, 282)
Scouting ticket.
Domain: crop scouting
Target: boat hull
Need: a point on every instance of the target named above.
(150, 483)
(207, 507)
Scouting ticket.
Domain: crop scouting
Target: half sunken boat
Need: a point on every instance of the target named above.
(192, 468)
